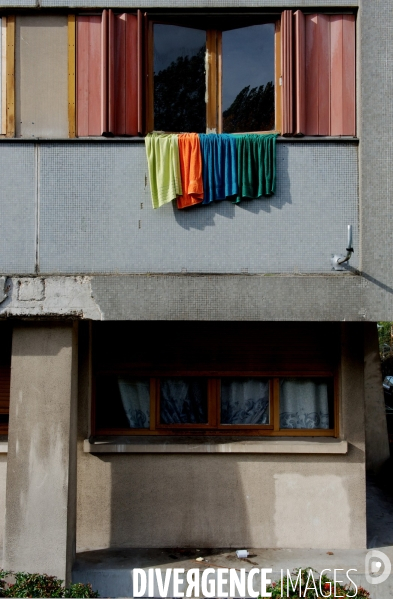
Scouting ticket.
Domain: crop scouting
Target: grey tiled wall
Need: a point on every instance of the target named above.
(17, 208)
(96, 215)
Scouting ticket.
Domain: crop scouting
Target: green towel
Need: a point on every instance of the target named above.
(162, 152)
(256, 165)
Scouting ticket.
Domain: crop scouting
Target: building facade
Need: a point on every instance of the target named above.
(107, 304)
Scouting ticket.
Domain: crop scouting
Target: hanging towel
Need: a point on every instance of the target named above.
(191, 170)
(219, 166)
(162, 152)
(256, 165)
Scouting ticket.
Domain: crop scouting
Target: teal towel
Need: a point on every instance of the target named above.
(218, 166)
(256, 165)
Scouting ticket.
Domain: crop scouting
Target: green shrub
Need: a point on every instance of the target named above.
(80, 590)
(23, 584)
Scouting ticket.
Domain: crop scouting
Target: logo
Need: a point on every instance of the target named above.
(377, 567)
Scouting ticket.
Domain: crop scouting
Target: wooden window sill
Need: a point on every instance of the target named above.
(277, 445)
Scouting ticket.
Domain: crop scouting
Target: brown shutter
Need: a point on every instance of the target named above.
(330, 75)
(5, 368)
(343, 92)
(123, 74)
(111, 72)
(300, 72)
(287, 71)
(104, 71)
(5, 380)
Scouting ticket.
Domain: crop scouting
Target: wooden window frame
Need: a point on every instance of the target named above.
(213, 427)
(213, 74)
(7, 81)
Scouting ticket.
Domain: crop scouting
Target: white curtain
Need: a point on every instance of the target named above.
(304, 403)
(244, 401)
(135, 397)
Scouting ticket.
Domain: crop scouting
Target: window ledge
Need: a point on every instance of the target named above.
(313, 445)
(3, 447)
(141, 140)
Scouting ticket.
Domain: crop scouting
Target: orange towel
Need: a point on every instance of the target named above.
(191, 170)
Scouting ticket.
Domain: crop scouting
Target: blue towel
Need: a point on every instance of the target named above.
(219, 166)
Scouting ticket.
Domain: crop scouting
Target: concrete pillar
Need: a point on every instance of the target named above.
(40, 524)
(377, 442)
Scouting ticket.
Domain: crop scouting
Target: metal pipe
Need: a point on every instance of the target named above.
(349, 248)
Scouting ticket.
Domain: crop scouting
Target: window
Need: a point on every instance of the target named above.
(291, 72)
(214, 379)
(212, 74)
(226, 405)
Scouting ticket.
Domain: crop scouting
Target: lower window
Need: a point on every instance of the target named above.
(203, 405)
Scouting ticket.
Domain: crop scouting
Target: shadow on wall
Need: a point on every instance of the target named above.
(200, 217)
(178, 501)
(230, 501)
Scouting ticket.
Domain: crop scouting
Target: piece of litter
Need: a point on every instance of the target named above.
(329, 553)
(242, 553)
(199, 559)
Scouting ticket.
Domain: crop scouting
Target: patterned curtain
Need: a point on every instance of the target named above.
(304, 403)
(244, 401)
(135, 397)
(183, 401)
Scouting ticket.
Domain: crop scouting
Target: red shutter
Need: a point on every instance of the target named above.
(123, 74)
(91, 67)
(287, 71)
(300, 72)
(330, 75)
(90, 60)
(109, 78)
(140, 71)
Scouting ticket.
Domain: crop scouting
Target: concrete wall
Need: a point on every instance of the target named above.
(41, 76)
(41, 495)
(375, 44)
(229, 500)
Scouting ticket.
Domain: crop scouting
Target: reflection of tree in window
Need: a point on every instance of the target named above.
(179, 95)
(251, 110)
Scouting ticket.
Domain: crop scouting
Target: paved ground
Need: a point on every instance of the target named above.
(109, 571)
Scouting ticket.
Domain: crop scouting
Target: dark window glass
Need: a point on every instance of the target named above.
(244, 401)
(122, 402)
(183, 400)
(248, 79)
(179, 79)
